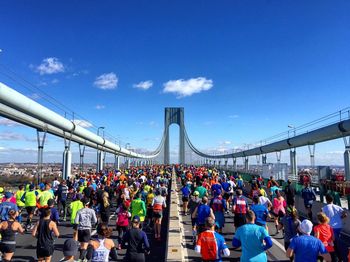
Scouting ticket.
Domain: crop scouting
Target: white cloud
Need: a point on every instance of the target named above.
(233, 116)
(8, 122)
(99, 107)
(144, 85)
(188, 87)
(35, 96)
(82, 123)
(50, 65)
(106, 81)
(54, 81)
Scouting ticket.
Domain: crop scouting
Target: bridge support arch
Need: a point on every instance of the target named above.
(174, 115)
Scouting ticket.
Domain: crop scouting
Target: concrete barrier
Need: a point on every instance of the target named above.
(174, 252)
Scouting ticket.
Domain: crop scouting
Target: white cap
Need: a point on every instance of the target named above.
(306, 227)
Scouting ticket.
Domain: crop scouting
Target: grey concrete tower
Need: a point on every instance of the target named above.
(174, 115)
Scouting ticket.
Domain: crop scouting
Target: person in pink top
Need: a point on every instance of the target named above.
(324, 232)
(12, 199)
(278, 208)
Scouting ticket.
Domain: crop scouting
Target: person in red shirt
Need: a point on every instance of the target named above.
(324, 232)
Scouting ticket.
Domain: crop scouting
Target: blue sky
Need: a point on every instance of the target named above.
(243, 70)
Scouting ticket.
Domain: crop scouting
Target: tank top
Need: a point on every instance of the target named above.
(241, 205)
(45, 238)
(8, 234)
(100, 254)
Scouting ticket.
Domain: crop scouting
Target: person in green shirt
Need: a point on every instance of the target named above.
(138, 207)
(75, 206)
(201, 190)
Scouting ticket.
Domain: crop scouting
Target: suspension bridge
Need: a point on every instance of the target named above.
(19, 108)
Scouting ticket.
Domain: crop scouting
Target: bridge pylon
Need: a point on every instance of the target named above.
(174, 115)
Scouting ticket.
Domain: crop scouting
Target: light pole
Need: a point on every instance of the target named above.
(99, 154)
(127, 145)
(293, 157)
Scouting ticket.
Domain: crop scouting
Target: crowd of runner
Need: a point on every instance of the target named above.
(136, 197)
(208, 195)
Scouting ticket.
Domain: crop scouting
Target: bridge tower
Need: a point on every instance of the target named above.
(174, 115)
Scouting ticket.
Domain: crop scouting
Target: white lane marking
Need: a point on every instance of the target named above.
(278, 244)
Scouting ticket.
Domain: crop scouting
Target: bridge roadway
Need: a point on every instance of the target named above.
(26, 244)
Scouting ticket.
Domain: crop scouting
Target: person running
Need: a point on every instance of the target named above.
(62, 196)
(210, 244)
(138, 208)
(278, 208)
(335, 214)
(309, 196)
(75, 206)
(185, 197)
(6, 206)
(307, 247)
(290, 225)
(273, 188)
(201, 190)
(192, 205)
(289, 192)
(29, 199)
(324, 232)
(99, 250)
(45, 196)
(158, 205)
(54, 212)
(254, 240)
(122, 222)
(20, 192)
(85, 218)
(44, 231)
(201, 212)
(239, 208)
(136, 242)
(8, 230)
(105, 208)
(149, 214)
(260, 211)
(218, 205)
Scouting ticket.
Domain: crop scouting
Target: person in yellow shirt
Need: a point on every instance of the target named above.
(149, 214)
(20, 192)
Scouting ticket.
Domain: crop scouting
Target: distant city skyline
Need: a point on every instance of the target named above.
(243, 71)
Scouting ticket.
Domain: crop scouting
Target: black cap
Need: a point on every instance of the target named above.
(70, 247)
(85, 201)
(136, 219)
(50, 202)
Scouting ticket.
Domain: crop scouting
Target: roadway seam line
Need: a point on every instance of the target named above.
(278, 244)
